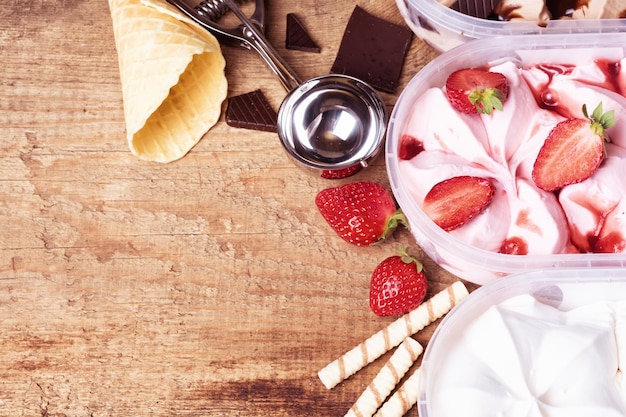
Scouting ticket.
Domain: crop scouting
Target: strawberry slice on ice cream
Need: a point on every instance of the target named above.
(474, 90)
(573, 150)
(453, 202)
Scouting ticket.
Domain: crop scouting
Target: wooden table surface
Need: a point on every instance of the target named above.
(209, 286)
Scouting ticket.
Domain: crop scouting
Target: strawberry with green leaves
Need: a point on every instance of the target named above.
(453, 202)
(361, 213)
(474, 90)
(573, 150)
(398, 285)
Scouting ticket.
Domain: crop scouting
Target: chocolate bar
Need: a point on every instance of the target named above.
(297, 37)
(373, 50)
(251, 111)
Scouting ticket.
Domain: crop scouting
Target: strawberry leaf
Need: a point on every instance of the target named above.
(600, 121)
(608, 119)
(486, 100)
(597, 112)
(407, 259)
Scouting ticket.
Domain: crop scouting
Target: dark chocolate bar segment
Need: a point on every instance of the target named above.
(297, 36)
(373, 50)
(251, 111)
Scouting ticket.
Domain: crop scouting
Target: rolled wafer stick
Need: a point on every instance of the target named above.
(391, 336)
(387, 378)
(402, 400)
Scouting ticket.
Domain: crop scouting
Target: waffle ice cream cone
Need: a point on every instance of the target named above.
(172, 75)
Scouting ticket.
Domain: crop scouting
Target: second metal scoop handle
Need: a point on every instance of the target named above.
(257, 41)
(248, 34)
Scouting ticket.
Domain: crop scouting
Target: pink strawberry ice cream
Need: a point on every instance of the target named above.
(523, 219)
(539, 10)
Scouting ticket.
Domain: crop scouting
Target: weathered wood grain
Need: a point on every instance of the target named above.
(205, 287)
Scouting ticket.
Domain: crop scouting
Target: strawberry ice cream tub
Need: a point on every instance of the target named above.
(488, 194)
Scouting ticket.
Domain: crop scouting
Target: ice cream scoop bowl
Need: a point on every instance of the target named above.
(332, 122)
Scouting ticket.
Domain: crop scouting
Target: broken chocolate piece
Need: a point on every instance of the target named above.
(251, 111)
(297, 36)
(373, 50)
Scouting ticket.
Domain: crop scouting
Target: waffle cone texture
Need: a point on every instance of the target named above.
(172, 76)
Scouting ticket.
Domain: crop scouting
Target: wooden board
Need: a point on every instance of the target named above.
(206, 287)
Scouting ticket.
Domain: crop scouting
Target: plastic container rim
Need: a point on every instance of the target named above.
(474, 27)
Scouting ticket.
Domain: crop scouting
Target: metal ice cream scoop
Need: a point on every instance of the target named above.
(329, 122)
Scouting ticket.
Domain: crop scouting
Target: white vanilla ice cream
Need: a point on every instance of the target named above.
(525, 358)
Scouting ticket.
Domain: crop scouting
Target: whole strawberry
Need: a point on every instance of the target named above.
(474, 90)
(573, 150)
(361, 213)
(398, 285)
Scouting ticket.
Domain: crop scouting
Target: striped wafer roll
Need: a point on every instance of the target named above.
(387, 378)
(402, 400)
(391, 336)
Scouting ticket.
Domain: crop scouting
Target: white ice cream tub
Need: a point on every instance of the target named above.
(549, 343)
(465, 261)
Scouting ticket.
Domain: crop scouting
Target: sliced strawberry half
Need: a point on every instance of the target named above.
(573, 150)
(474, 90)
(453, 202)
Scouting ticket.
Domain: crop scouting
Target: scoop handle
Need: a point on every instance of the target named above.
(257, 41)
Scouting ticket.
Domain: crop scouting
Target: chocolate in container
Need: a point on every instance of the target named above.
(466, 261)
(445, 24)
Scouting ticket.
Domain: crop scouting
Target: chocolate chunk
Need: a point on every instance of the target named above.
(483, 9)
(251, 111)
(297, 36)
(373, 50)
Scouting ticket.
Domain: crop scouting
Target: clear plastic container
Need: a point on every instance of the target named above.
(444, 28)
(583, 295)
(465, 261)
